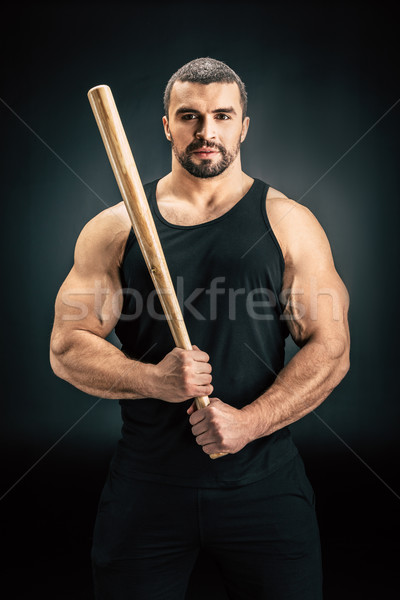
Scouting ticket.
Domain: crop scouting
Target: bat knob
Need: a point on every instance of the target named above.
(218, 455)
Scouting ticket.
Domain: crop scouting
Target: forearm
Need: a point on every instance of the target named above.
(301, 386)
(96, 367)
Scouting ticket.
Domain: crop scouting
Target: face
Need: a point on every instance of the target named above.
(205, 126)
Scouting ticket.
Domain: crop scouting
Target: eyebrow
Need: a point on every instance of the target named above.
(185, 109)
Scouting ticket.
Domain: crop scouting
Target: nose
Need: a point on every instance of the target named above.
(205, 129)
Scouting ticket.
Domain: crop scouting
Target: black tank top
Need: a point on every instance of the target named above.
(228, 276)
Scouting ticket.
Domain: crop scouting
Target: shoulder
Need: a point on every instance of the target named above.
(105, 235)
(279, 205)
(296, 228)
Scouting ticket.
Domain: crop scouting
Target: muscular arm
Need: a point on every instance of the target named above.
(316, 305)
(87, 308)
(316, 313)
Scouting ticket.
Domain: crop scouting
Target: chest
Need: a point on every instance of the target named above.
(233, 256)
(182, 214)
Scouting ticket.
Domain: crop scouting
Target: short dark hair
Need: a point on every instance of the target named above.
(206, 70)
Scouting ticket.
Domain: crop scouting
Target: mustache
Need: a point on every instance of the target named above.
(196, 145)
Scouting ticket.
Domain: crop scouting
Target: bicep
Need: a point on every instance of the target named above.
(88, 303)
(316, 306)
(316, 298)
(90, 298)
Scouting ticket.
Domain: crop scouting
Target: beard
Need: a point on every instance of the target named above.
(206, 168)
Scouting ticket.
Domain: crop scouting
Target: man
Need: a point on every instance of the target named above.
(250, 266)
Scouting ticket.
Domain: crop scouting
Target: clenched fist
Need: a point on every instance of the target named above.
(219, 427)
(183, 374)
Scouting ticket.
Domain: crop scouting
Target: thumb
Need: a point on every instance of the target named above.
(214, 400)
(191, 408)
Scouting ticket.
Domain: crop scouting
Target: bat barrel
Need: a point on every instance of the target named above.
(133, 194)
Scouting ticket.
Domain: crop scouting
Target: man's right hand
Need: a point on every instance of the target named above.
(183, 374)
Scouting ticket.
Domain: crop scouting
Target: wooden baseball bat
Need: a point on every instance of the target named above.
(133, 194)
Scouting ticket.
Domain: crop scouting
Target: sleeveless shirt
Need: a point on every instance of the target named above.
(227, 273)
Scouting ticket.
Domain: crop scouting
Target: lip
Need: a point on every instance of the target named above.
(205, 153)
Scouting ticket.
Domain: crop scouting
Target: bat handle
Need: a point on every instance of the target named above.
(202, 402)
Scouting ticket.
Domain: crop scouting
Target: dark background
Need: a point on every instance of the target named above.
(319, 76)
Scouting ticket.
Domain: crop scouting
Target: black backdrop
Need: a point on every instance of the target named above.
(322, 81)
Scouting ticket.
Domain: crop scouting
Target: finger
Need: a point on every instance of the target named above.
(200, 429)
(204, 439)
(191, 408)
(212, 448)
(197, 416)
(214, 400)
(203, 367)
(202, 379)
(199, 355)
(203, 390)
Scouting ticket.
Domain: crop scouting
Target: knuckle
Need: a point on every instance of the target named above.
(186, 359)
(214, 417)
(185, 384)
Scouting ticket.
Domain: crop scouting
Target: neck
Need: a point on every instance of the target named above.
(211, 190)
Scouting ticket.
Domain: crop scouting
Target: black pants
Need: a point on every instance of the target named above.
(263, 537)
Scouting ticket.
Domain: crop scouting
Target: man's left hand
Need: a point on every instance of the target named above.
(219, 427)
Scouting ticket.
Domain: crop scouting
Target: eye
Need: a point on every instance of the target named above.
(189, 116)
(222, 116)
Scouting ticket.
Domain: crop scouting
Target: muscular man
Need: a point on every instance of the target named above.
(250, 267)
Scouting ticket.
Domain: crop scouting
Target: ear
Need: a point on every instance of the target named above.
(245, 128)
(166, 128)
